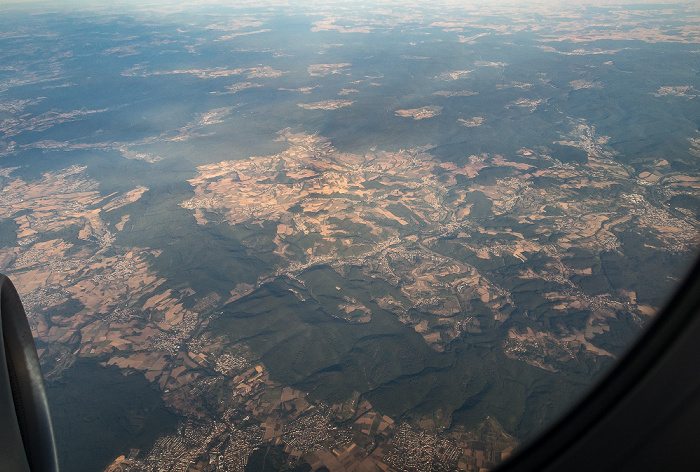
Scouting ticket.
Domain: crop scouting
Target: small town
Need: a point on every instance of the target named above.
(311, 434)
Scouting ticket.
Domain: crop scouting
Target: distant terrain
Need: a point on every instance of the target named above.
(348, 237)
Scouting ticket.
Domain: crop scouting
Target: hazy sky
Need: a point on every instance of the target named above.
(366, 2)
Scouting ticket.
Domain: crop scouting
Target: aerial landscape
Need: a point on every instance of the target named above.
(345, 236)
